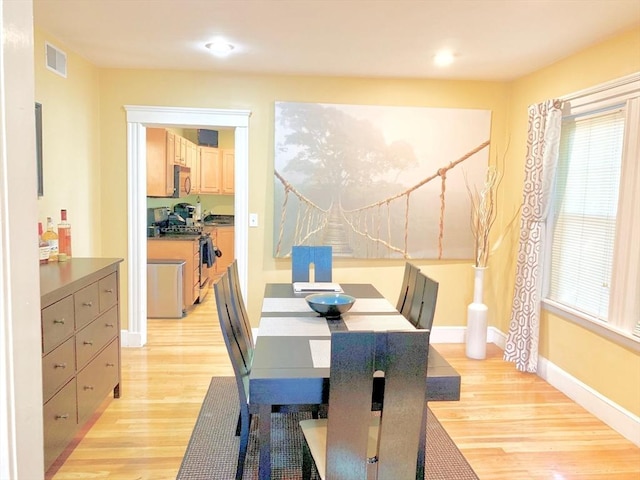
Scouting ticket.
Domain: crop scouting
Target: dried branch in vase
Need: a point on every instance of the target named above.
(483, 213)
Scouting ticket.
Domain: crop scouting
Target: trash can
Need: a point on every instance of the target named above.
(164, 288)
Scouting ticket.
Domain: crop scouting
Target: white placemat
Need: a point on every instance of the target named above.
(365, 305)
(293, 327)
(320, 353)
(285, 305)
(377, 323)
(301, 287)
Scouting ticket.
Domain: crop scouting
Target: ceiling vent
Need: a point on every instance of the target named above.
(56, 60)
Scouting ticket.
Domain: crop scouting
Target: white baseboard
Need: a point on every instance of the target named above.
(621, 420)
(128, 339)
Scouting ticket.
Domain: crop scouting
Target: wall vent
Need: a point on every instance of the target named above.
(56, 60)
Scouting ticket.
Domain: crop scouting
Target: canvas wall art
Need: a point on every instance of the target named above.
(377, 181)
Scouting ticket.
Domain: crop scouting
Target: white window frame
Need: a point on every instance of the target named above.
(626, 266)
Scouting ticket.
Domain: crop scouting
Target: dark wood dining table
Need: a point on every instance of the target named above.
(292, 351)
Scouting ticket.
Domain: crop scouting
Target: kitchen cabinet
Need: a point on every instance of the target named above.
(185, 248)
(164, 150)
(228, 172)
(217, 174)
(159, 163)
(193, 162)
(80, 317)
(210, 169)
(223, 238)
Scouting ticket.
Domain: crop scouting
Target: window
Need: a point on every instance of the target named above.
(593, 258)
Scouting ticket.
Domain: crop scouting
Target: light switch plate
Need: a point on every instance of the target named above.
(253, 219)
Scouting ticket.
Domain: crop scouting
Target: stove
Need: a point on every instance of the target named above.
(181, 230)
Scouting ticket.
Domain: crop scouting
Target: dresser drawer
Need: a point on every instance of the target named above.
(86, 304)
(96, 380)
(108, 288)
(57, 323)
(92, 338)
(57, 368)
(60, 422)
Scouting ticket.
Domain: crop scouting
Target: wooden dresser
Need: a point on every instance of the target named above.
(80, 345)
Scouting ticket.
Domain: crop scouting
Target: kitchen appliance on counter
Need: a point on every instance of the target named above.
(186, 211)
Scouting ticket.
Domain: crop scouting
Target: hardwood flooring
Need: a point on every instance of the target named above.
(509, 425)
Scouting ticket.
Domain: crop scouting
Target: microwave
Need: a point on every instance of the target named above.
(181, 181)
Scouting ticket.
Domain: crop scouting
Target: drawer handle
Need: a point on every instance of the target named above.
(87, 304)
(88, 342)
(64, 416)
(88, 387)
(111, 364)
(60, 365)
(60, 322)
(109, 290)
(110, 325)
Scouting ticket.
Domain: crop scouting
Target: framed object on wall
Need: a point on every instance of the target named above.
(39, 149)
(377, 181)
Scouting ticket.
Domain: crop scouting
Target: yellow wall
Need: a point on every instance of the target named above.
(257, 93)
(71, 146)
(605, 366)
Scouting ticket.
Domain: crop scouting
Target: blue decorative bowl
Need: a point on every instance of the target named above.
(330, 305)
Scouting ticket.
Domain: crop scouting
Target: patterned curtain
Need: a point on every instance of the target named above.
(543, 142)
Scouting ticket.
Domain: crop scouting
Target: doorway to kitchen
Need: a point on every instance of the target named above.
(138, 119)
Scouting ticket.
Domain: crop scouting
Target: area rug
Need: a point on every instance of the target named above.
(212, 451)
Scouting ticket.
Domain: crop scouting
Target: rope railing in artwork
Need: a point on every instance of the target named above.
(310, 218)
(364, 225)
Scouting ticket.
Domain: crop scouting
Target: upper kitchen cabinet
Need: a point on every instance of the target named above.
(216, 171)
(165, 149)
(193, 162)
(209, 170)
(159, 163)
(228, 172)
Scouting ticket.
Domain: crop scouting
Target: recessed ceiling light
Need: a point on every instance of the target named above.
(443, 58)
(220, 48)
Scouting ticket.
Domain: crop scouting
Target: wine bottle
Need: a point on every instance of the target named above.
(64, 234)
(51, 237)
(43, 245)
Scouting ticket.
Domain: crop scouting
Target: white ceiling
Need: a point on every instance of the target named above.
(492, 39)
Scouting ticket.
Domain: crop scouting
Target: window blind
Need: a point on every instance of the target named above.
(585, 205)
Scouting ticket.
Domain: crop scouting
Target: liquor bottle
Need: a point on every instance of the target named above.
(44, 246)
(51, 238)
(64, 234)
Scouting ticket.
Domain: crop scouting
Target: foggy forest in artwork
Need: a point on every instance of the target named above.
(376, 181)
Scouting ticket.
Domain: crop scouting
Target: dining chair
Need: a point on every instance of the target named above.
(354, 443)
(407, 289)
(303, 256)
(423, 302)
(237, 348)
(235, 294)
(240, 351)
(429, 298)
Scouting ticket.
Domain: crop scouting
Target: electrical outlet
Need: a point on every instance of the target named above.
(253, 219)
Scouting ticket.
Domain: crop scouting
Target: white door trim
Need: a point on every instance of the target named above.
(138, 118)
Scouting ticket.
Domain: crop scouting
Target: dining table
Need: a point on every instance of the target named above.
(291, 358)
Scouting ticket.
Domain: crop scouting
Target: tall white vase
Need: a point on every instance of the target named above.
(477, 319)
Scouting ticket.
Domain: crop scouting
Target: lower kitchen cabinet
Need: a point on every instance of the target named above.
(80, 317)
(223, 238)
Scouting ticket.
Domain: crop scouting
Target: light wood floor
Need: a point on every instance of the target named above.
(509, 425)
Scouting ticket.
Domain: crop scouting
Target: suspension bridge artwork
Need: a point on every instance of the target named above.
(377, 181)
